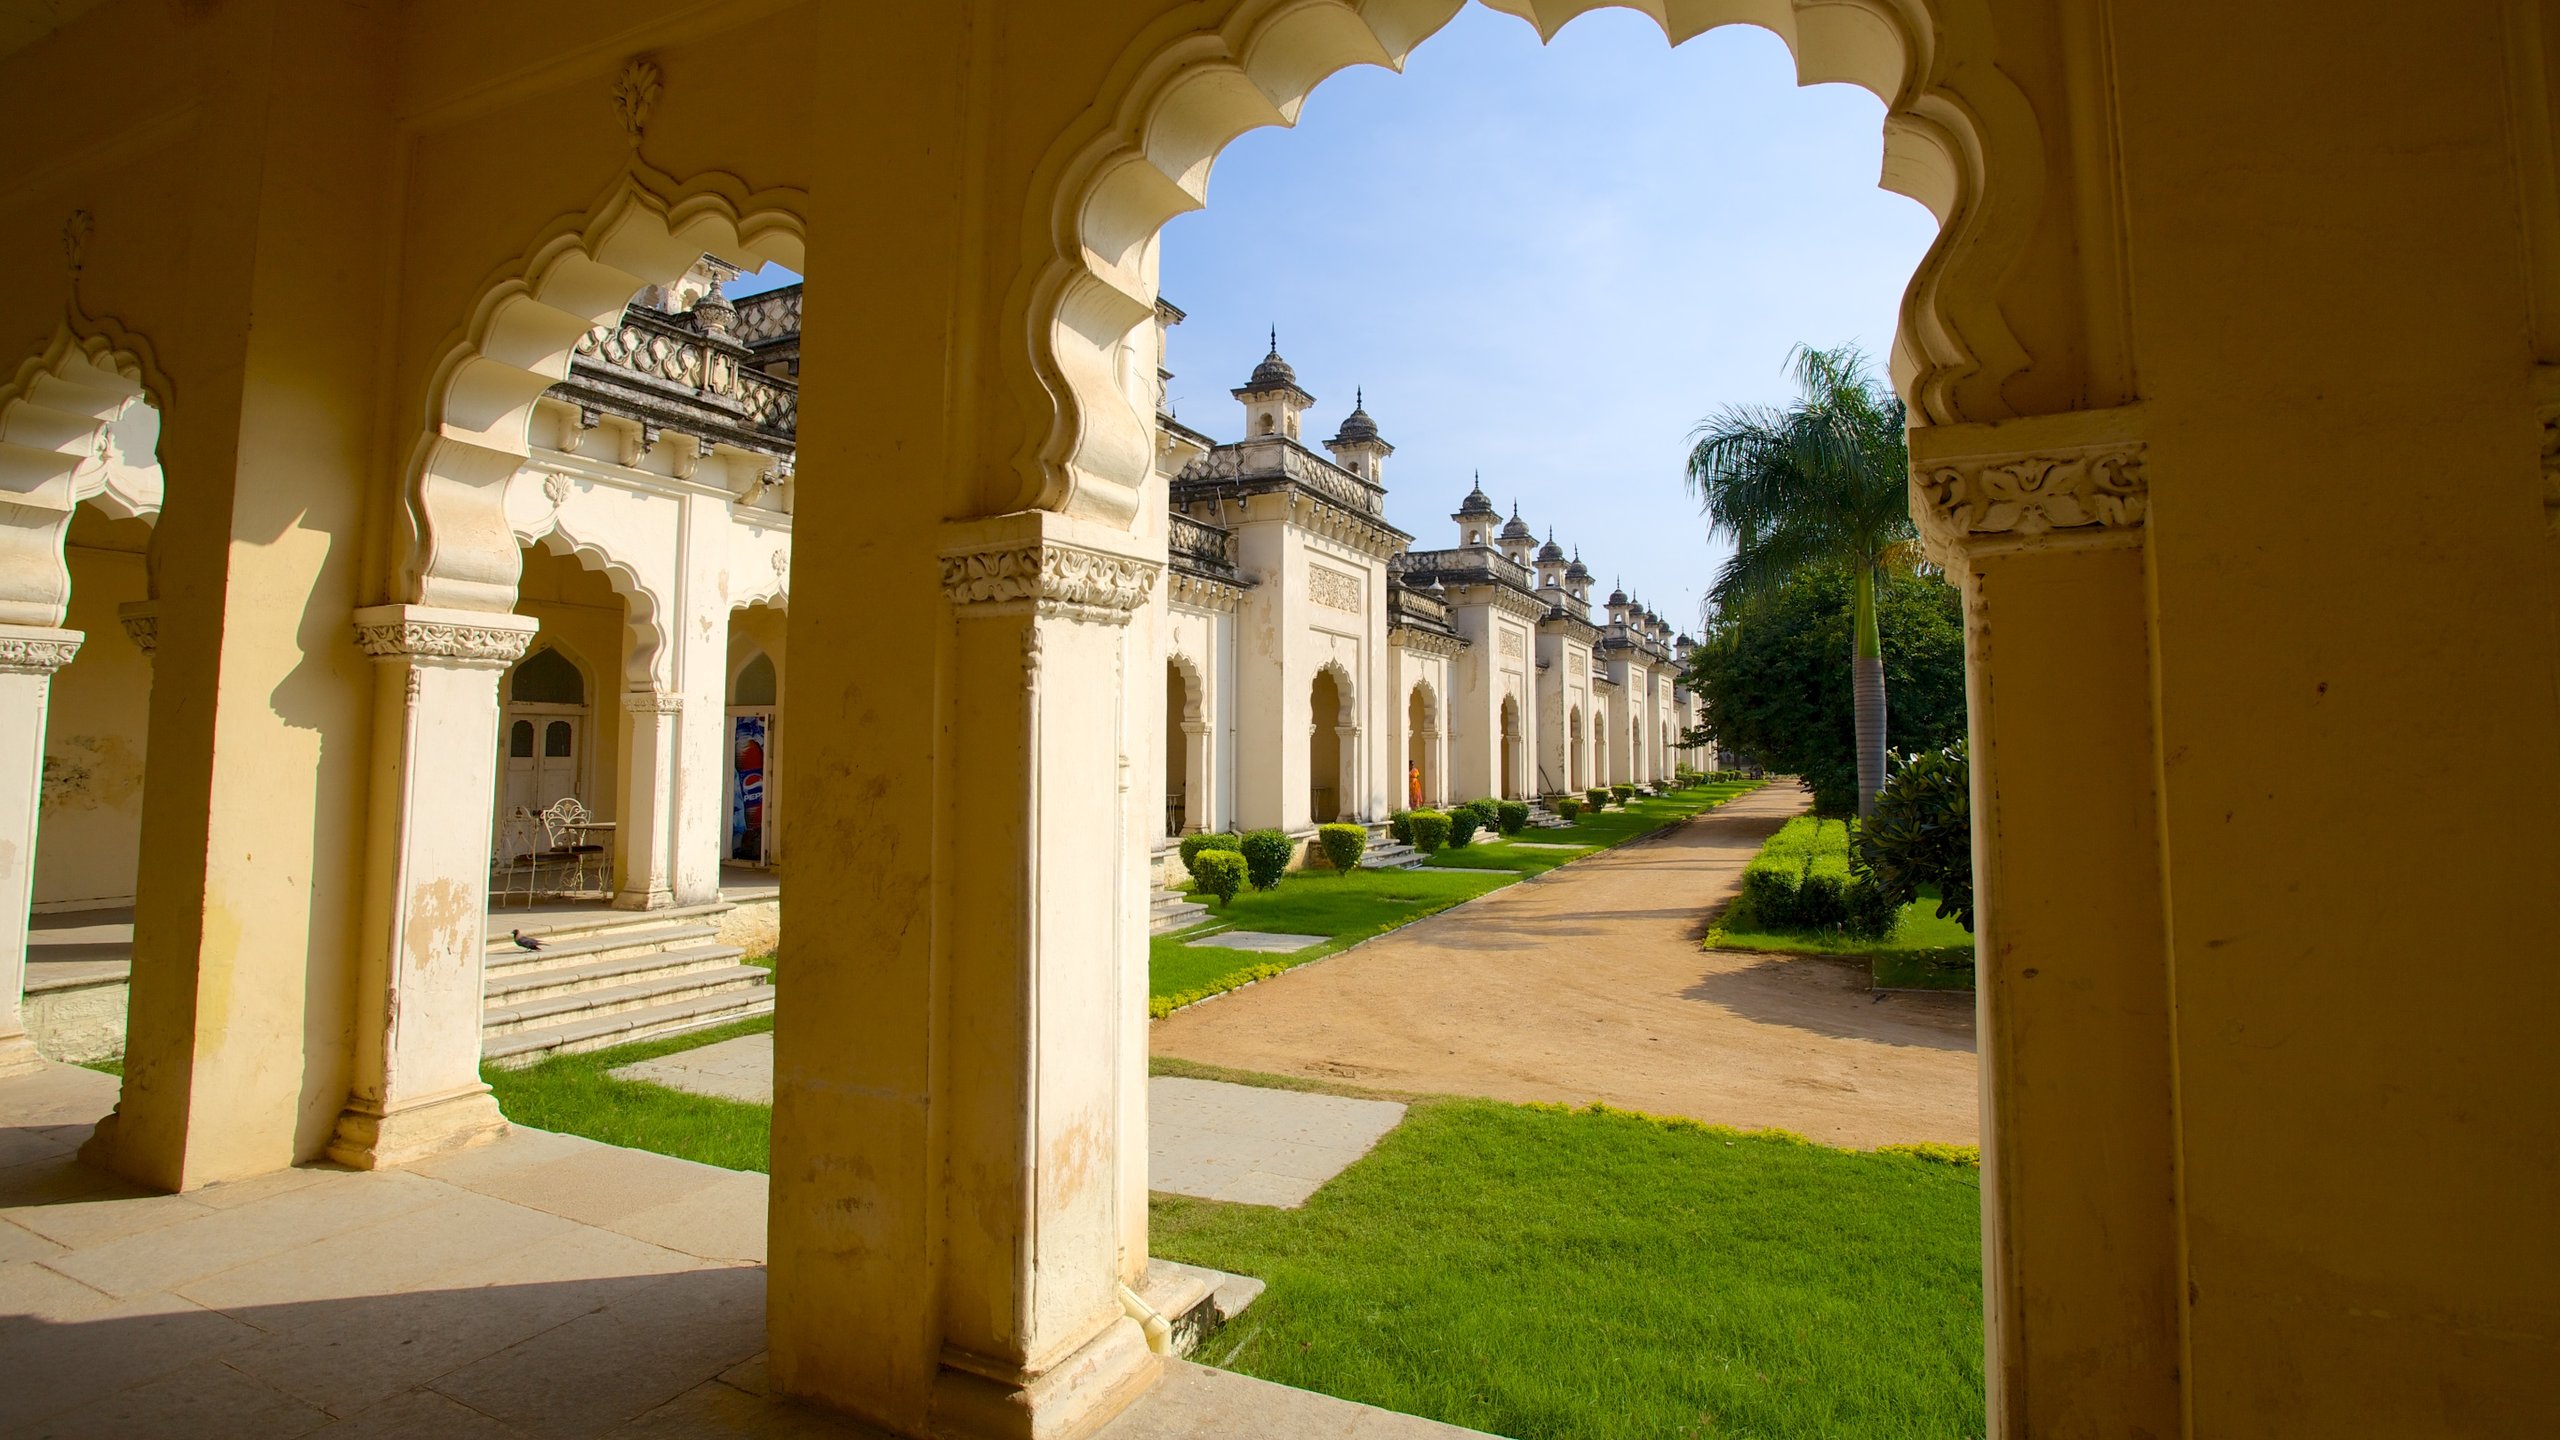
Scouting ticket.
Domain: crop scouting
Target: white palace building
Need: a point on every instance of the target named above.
(1316, 666)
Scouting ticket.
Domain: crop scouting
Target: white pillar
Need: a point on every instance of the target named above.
(416, 1086)
(645, 831)
(29, 655)
(698, 817)
(1196, 807)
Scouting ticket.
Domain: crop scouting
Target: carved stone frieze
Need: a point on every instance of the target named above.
(38, 653)
(1049, 579)
(2074, 495)
(144, 632)
(652, 702)
(443, 640)
(1426, 642)
(1333, 589)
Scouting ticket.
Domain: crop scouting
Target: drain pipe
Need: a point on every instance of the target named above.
(1159, 1330)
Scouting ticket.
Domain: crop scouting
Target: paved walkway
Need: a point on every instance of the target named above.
(1588, 984)
(539, 1286)
(1206, 1138)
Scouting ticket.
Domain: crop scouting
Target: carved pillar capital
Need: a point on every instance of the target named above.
(652, 702)
(1038, 563)
(36, 649)
(2065, 481)
(473, 638)
(141, 620)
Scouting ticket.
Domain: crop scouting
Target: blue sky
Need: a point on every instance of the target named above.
(1547, 263)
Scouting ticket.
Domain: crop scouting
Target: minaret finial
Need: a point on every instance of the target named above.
(1359, 399)
(1275, 339)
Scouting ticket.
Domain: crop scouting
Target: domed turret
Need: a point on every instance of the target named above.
(1551, 550)
(1551, 568)
(1517, 541)
(1476, 516)
(1272, 400)
(1357, 446)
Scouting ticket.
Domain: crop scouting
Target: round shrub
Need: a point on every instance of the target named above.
(1343, 845)
(1598, 796)
(1400, 827)
(1430, 829)
(1624, 793)
(1922, 832)
(1463, 825)
(1512, 816)
(1220, 872)
(1192, 845)
(1266, 857)
(1569, 808)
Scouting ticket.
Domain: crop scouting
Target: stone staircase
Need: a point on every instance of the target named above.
(1542, 818)
(1169, 911)
(610, 978)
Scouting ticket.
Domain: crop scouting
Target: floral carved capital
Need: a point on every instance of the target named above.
(438, 640)
(38, 654)
(652, 702)
(2090, 494)
(1050, 580)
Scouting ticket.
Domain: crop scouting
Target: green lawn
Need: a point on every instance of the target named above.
(1592, 832)
(574, 1095)
(1536, 1272)
(1346, 909)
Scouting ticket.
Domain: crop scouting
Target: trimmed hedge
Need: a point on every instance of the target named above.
(1192, 845)
(1598, 796)
(1802, 879)
(1343, 844)
(1464, 822)
(1512, 816)
(1569, 808)
(1624, 793)
(1429, 828)
(1220, 872)
(1266, 857)
(1400, 827)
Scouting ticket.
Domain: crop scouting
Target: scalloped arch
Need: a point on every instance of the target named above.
(1142, 154)
(642, 624)
(79, 421)
(1194, 685)
(1344, 688)
(1430, 694)
(645, 230)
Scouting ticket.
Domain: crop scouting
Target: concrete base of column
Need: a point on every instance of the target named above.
(18, 1055)
(370, 1140)
(979, 1399)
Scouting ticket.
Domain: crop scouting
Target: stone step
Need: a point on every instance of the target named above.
(518, 984)
(507, 957)
(589, 922)
(1164, 918)
(520, 1048)
(1195, 1300)
(549, 1011)
(1393, 855)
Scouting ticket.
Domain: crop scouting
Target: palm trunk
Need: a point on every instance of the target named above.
(1866, 691)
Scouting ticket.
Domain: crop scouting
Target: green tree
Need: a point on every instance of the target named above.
(1768, 672)
(1819, 482)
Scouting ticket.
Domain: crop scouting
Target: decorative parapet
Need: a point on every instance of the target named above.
(999, 570)
(773, 315)
(667, 352)
(36, 650)
(1200, 547)
(1425, 642)
(465, 637)
(2047, 482)
(1198, 592)
(1276, 457)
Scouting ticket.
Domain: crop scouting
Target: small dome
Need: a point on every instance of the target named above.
(1577, 570)
(1518, 529)
(1551, 552)
(1477, 503)
(1273, 373)
(1357, 426)
(1617, 597)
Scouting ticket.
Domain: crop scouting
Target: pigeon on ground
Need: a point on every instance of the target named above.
(524, 941)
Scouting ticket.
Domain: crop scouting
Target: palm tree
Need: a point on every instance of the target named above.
(1818, 482)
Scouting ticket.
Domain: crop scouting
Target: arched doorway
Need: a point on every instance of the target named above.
(1635, 752)
(1574, 771)
(755, 720)
(1512, 781)
(1420, 783)
(1329, 740)
(545, 736)
(1185, 753)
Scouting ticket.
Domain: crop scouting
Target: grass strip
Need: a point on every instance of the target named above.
(574, 1095)
(1540, 1272)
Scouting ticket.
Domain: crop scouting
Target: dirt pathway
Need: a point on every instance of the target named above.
(1588, 984)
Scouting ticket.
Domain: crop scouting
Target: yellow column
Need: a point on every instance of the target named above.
(2041, 520)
